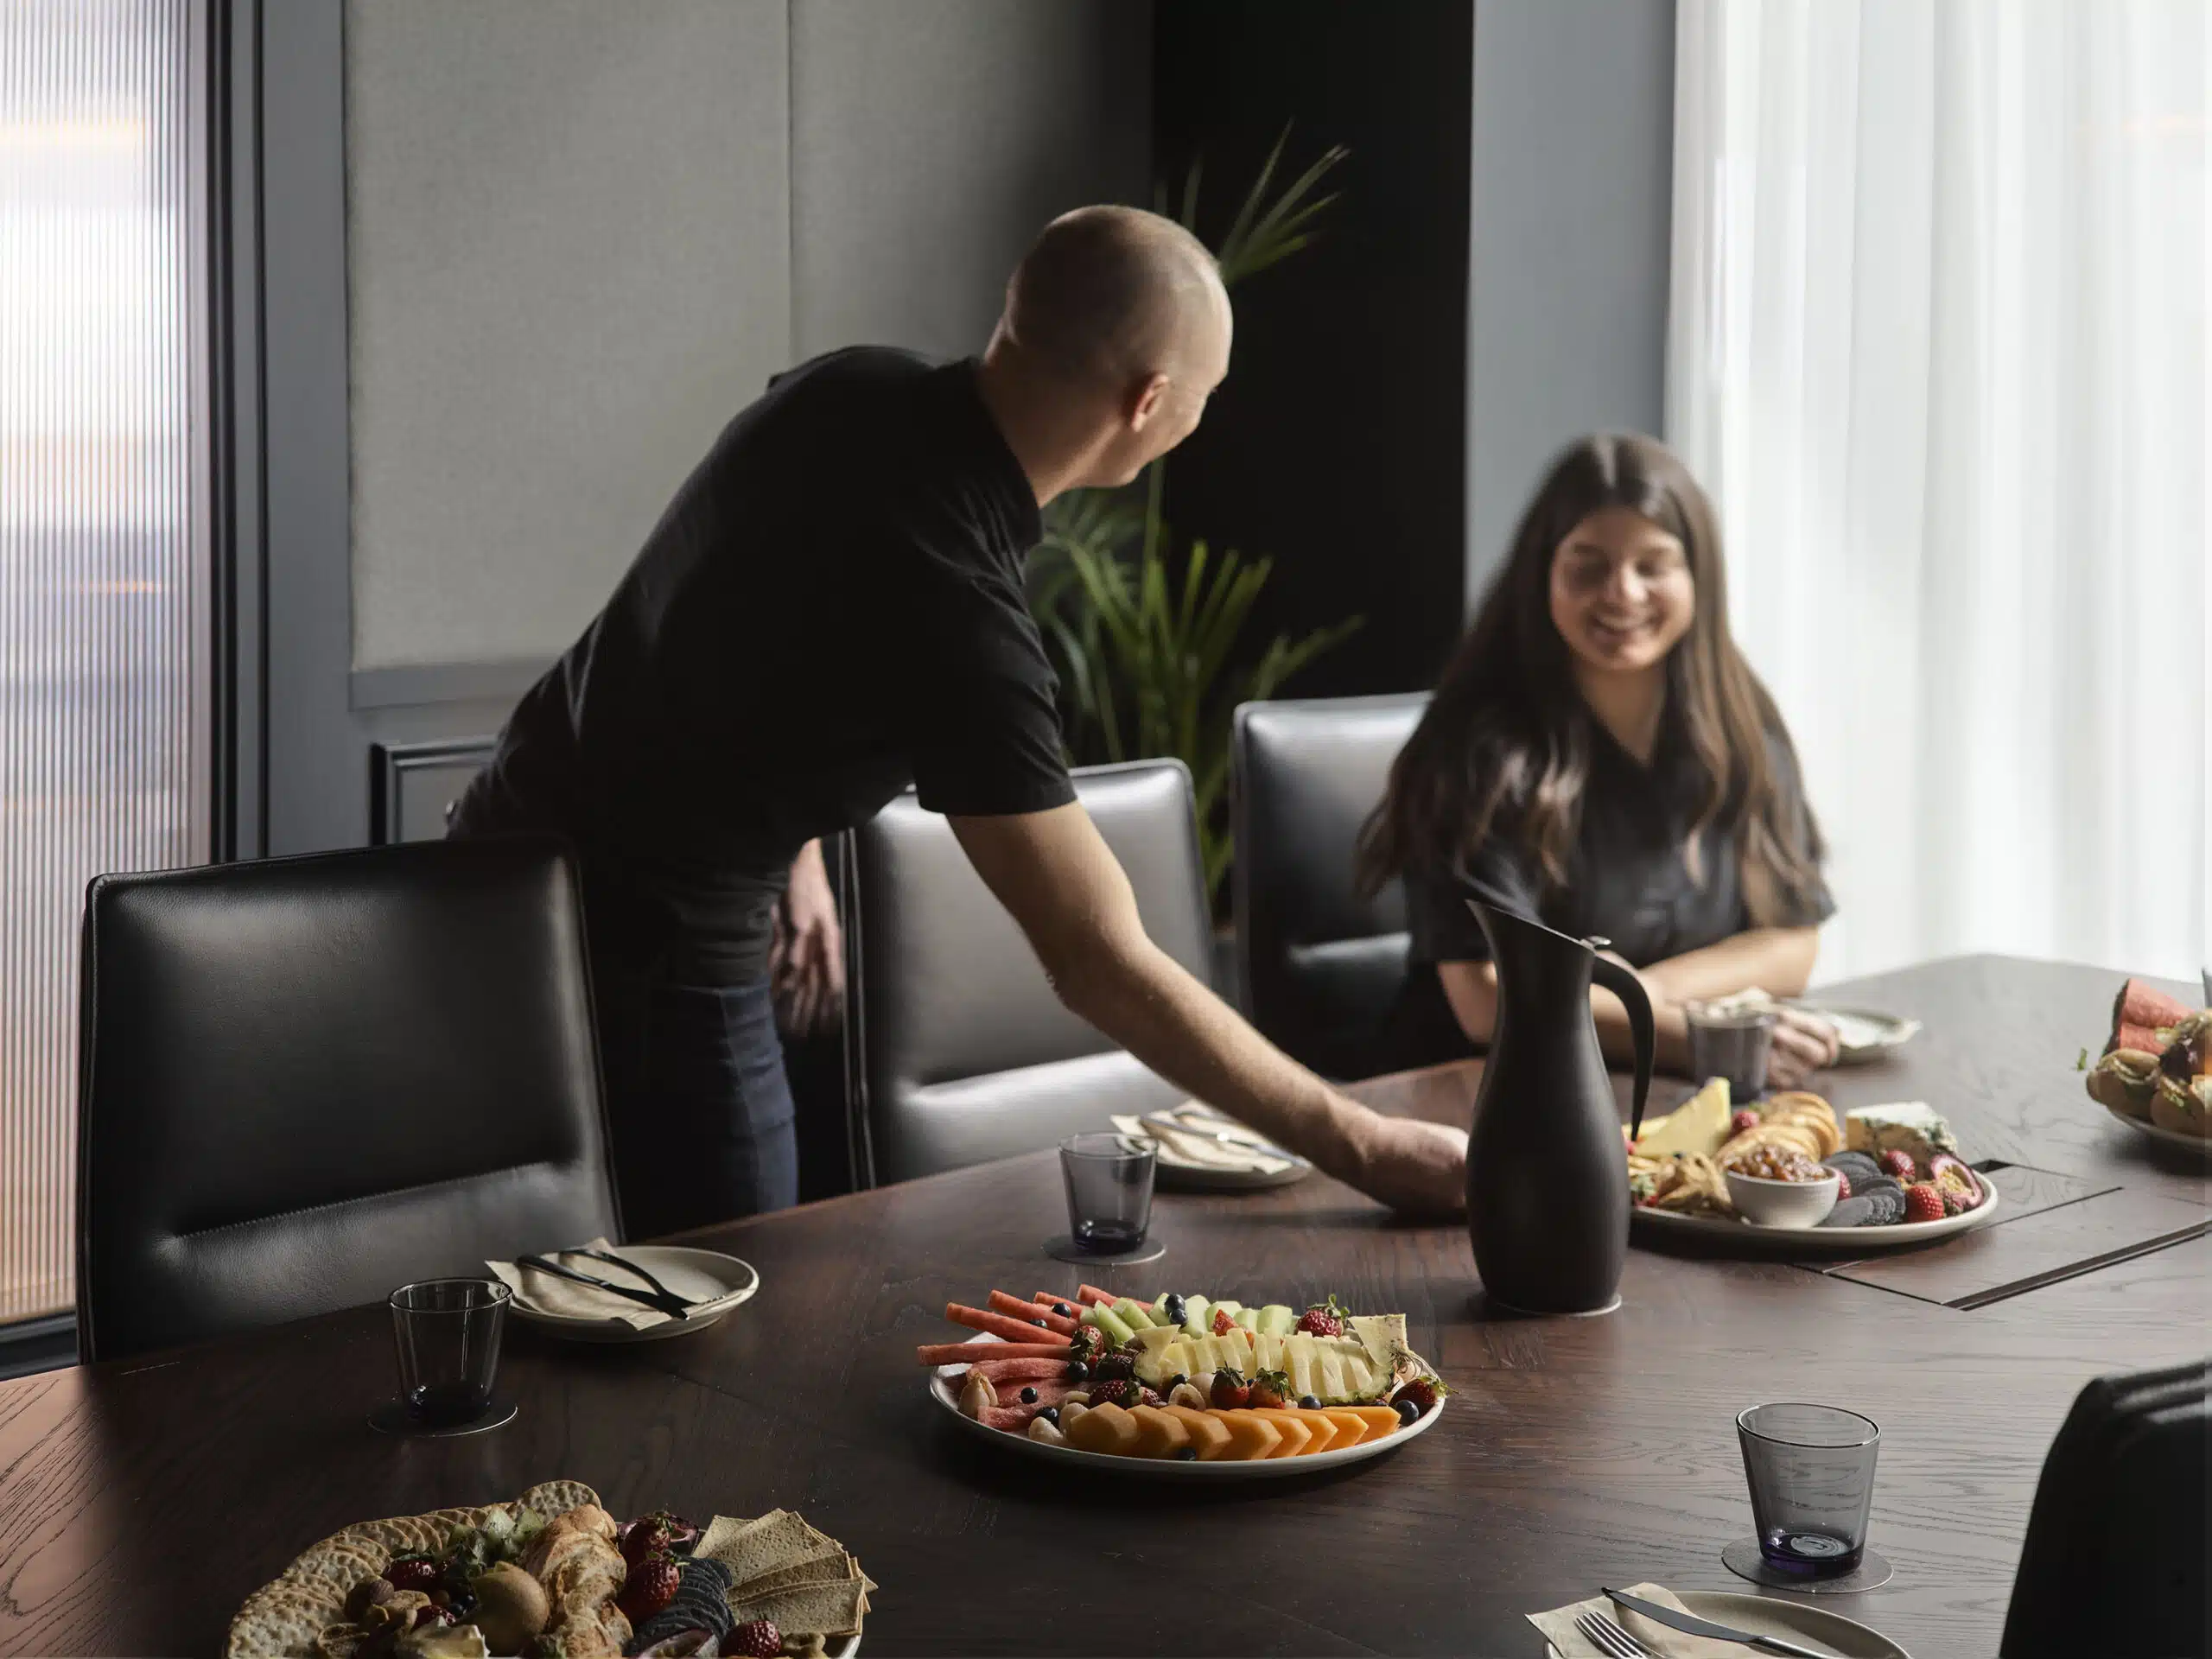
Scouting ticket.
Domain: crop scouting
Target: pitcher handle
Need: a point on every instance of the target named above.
(1627, 987)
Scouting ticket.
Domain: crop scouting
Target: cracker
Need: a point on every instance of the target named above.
(401, 1534)
(832, 1609)
(552, 1497)
(279, 1621)
(825, 1569)
(338, 1563)
(753, 1549)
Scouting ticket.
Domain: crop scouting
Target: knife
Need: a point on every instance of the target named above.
(1690, 1623)
(668, 1305)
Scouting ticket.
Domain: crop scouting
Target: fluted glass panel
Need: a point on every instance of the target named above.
(102, 546)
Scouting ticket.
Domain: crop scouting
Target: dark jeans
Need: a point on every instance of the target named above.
(700, 1109)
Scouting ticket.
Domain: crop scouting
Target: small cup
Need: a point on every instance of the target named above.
(1731, 1043)
(1766, 1203)
(1811, 1471)
(447, 1335)
(1110, 1192)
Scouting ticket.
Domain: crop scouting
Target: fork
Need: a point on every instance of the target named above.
(1610, 1637)
(609, 1257)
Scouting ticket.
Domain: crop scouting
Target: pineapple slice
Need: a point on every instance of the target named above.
(1160, 1361)
(1266, 1353)
(1298, 1355)
(1329, 1373)
(1358, 1378)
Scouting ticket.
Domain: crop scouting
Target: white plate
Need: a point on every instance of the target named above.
(1870, 1035)
(1183, 1176)
(718, 1282)
(943, 1389)
(2196, 1143)
(1815, 1241)
(1773, 1616)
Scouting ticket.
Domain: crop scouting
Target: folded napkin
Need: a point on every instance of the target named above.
(1568, 1643)
(1245, 1151)
(544, 1292)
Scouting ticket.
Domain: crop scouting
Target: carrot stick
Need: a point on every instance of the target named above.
(963, 1353)
(1004, 1303)
(997, 1324)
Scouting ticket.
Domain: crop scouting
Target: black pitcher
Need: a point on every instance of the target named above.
(1547, 1175)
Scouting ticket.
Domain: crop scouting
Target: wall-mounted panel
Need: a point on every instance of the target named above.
(567, 264)
(932, 139)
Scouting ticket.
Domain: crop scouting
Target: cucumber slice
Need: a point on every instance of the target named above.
(1198, 1315)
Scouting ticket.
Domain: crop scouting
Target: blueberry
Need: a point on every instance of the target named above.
(1406, 1411)
(1307, 1402)
(1078, 1370)
(1029, 1397)
(1173, 1310)
(1187, 1453)
(1063, 1310)
(1175, 1382)
(1051, 1415)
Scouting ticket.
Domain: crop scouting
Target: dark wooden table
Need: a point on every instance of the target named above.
(140, 1502)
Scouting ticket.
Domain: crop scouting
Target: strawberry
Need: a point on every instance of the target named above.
(1122, 1391)
(1324, 1319)
(758, 1638)
(650, 1586)
(649, 1534)
(1423, 1391)
(1270, 1390)
(1923, 1201)
(1231, 1390)
(1222, 1324)
(1842, 1184)
(1899, 1164)
(1744, 1121)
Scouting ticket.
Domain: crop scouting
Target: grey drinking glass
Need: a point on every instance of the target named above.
(1811, 1472)
(1109, 1191)
(1731, 1043)
(446, 1333)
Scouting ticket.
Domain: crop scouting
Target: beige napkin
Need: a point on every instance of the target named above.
(1199, 1149)
(544, 1292)
(1558, 1627)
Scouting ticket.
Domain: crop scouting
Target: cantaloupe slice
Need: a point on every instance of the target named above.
(1381, 1421)
(1251, 1437)
(1159, 1436)
(1296, 1436)
(1209, 1434)
(1105, 1428)
(1351, 1427)
(1320, 1432)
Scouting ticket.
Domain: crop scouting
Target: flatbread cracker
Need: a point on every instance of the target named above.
(831, 1609)
(400, 1534)
(279, 1621)
(552, 1497)
(753, 1549)
(340, 1563)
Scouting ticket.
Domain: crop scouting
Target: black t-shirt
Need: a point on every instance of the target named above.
(830, 608)
(1627, 878)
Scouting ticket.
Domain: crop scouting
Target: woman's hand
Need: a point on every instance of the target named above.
(1803, 1043)
(806, 954)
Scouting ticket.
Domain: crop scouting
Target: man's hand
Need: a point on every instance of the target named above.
(806, 955)
(1416, 1167)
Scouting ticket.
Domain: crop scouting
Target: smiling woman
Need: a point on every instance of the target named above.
(1599, 755)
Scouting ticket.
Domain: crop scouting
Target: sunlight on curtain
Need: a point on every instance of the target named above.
(101, 583)
(1937, 346)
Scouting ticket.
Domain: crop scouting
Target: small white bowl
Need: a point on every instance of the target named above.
(1782, 1203)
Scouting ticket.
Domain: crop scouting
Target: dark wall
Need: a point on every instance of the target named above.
(1337, 444)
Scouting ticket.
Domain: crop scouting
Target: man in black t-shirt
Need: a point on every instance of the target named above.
(832, 607)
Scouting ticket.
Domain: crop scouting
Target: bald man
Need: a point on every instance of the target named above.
(831, 608)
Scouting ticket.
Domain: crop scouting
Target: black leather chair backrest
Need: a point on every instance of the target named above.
(309, 1080)
(959, 1050)
(1322, 967)
(2116, 1553)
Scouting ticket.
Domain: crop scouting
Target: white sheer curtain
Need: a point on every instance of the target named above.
(1937, 347)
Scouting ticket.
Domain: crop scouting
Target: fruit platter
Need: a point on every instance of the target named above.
(2155, 1074)
(1183, 1386)
(552, 1575)
(1784, 1176)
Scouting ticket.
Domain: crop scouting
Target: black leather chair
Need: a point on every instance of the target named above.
(2116, 1552)
(308, 1080)
(1323, 970)
(958, 1049)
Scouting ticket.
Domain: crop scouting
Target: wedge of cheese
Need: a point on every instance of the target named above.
(1700, 1124)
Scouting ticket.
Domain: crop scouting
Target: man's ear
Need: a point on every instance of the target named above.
(1143, 401)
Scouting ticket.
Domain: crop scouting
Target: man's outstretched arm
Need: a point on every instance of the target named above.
(1060, 882)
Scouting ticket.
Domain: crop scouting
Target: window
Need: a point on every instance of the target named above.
(103, 565)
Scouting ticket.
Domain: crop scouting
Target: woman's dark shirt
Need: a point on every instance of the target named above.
(1627, 878)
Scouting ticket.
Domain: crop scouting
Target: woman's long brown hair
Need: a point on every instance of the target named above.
(1506, 742)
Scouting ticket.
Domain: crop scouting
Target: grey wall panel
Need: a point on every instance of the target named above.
(1573, 145)
(568, 259)
(931, 139)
